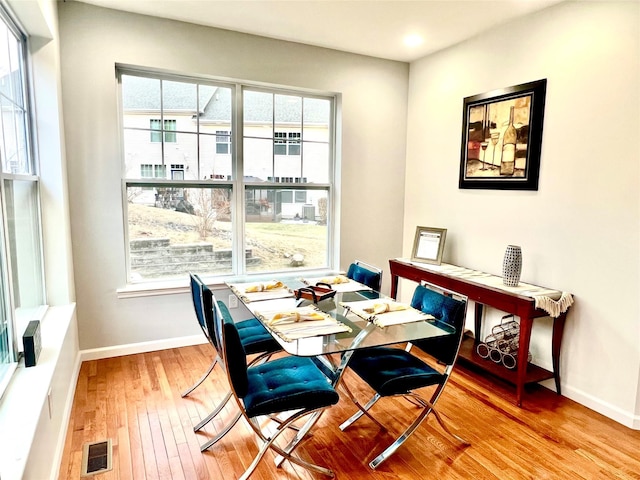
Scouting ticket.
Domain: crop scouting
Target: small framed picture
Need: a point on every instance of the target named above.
(428, 245)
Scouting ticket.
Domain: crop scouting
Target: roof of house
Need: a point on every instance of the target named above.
(214, 103)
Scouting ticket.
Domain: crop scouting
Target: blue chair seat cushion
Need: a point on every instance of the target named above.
(393, 371)
(284, 384)
(255, 338)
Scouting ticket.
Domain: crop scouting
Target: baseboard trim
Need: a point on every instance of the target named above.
(142, 347)
(626, 418)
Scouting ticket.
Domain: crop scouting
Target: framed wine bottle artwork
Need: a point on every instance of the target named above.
(502, 138)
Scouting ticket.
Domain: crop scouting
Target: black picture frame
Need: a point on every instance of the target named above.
(486, 160)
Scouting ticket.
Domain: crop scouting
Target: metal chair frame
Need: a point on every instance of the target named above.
(198, 305)
(268, 440)
(212, 320)
(205, 310)
(428, 406)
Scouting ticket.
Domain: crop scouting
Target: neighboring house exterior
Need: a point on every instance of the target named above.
(170, 147)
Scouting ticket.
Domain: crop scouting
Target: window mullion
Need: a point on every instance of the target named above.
(301, 139)
(198, 129)
(237, 155)
(162, 142)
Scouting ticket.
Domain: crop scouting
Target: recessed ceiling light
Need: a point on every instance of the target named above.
(413, 40)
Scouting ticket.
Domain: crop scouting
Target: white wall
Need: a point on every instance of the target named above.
(93, 40)
(580, 231)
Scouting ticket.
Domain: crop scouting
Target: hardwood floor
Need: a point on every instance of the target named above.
(135, 401)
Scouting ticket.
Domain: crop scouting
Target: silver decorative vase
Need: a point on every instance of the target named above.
(512, 266)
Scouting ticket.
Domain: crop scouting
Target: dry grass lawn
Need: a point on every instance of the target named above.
(273, 243)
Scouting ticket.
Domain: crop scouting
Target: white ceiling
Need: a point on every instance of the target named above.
(369, 27)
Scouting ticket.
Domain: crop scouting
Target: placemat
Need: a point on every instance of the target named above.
(339, 283)
(284, 324)
(270, 290)
(399, 312)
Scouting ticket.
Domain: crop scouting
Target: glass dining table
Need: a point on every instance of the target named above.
(346, 321)
(357, 331)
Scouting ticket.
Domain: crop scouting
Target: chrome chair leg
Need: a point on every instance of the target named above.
(260, 359)
(428, 408)
(302, 433)
(446, 429)
(280, 422)
(213, 413)
(361, 412)
(209, 443)
(440, 420)
(203, 378)
(286, 453)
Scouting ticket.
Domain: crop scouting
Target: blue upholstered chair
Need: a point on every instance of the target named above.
(195, 285)
(366, 274)
(397, 372)
(287, 384)
(254, 337)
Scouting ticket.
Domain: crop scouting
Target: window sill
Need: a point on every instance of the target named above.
(151, 289)
(172, 287)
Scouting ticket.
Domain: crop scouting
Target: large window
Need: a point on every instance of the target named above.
(232, 152)
(21, 275)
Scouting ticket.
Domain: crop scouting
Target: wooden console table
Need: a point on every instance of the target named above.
(519, 304)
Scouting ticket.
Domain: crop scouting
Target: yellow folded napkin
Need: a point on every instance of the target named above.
(334, 280)
(293, 316)
(261, 287)
(378, 308)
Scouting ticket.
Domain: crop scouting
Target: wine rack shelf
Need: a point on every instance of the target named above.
(470, 359)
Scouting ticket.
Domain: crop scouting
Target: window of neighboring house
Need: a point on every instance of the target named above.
(148, 170)
(177, 172)
(280, 143)
(287, 196)
(286, 143)
(160, 171)
(195, 213)
(223, 142)
(301, 196)
(293, 143)
(157, 130)
(22, 294)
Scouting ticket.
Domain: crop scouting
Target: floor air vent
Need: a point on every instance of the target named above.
(96, 457)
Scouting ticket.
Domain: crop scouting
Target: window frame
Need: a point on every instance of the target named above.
(237, 183)
(12, 268)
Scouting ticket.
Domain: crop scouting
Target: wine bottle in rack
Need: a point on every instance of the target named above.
(508, 160)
